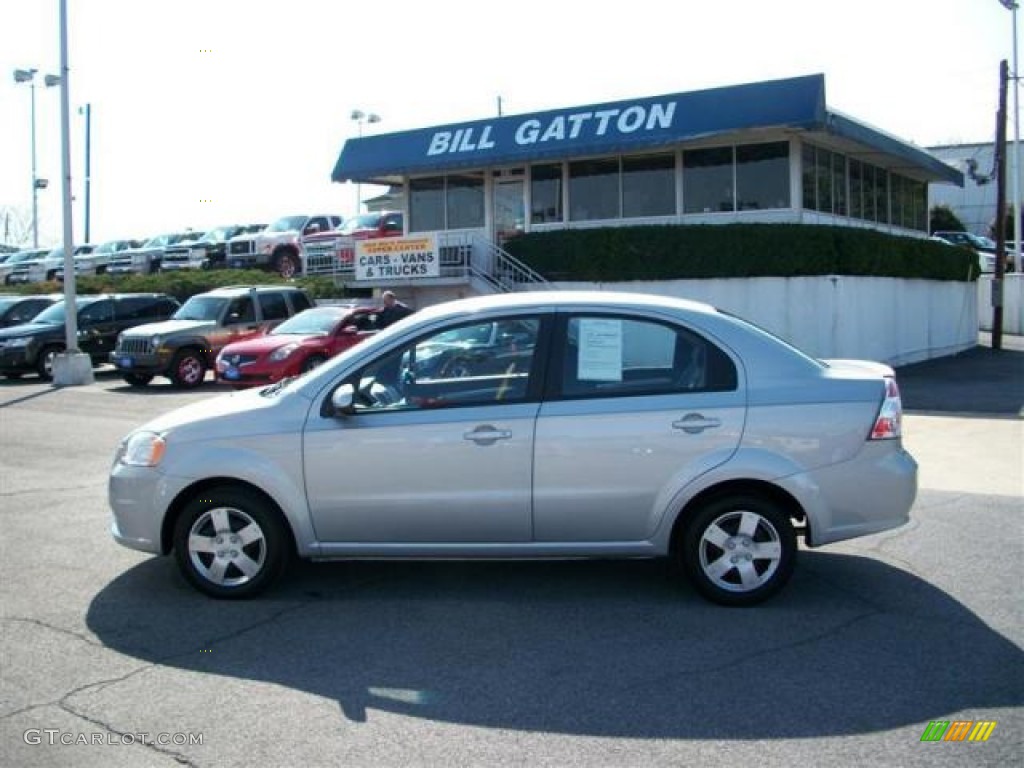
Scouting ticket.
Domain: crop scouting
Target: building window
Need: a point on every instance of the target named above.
(823, 178)
(464, 201)
(707, 180)
(593, 190)
(426, 204)
(838, 184)
(810, 189)
(762, 176)
(649, 186)
(856, 190)
(881, 196)
(545, 193)
(440, 203)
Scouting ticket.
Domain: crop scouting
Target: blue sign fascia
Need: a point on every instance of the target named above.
(597, 129)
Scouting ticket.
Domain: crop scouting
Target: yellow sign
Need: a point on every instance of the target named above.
(397, 258)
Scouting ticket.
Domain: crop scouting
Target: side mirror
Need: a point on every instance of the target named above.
(350, 330)
(343, 400)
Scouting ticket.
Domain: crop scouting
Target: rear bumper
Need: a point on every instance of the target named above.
(870, 493)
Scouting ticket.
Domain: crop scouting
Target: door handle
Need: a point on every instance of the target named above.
(487, 435)
(695, 423)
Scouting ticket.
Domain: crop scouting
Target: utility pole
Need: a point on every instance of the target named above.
(997, 279)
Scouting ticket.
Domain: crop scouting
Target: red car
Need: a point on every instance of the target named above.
(297, 345)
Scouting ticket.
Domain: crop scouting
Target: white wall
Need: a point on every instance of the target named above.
(875, 318)
(1013, 303)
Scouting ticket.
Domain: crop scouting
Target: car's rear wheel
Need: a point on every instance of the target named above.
(230, 542)
(286, 265)
(138, 379)
(44, 363)
(13, 375)
(313, 361)
(738, 550)
(188, 369)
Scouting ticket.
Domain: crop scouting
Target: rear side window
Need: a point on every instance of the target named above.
(97, 312)
(273, 306)
(144, 308)
(300, 301)
(611, 356)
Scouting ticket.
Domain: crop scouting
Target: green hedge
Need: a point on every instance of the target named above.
(182, 285)
(736, 250)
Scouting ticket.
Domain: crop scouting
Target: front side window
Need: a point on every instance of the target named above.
(97, 312)
(612, 356)
(241, 310)
(472, 364)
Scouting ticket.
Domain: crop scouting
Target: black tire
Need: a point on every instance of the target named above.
(311, 362)
(137, 379)
(13, 375)
(286, 265)
(188, 369)
(738, 550)
(44, 362)
(230, 542)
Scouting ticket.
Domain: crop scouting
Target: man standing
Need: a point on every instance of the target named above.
(393, 311)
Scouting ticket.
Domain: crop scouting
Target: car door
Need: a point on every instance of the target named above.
(97, 330)
(425, 459)
(638, 408)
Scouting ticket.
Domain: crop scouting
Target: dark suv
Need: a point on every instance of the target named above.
(185, 347)
(32, 346)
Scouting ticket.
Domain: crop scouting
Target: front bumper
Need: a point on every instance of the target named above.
(139, 498)
(18, 359)
(154, 363)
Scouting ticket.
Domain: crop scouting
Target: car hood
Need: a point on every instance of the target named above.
(171, 326)
(261, 345)
(28, 329)
(227, 416)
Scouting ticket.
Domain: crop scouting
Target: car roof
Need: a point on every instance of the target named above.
(238, 290)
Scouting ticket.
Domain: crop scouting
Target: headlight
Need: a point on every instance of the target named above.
(155, 342)
(141, 449)
(21, 341)
(280, 354)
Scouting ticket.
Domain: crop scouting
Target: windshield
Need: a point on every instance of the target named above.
(201, 308)
(287, 224)
(25, 256)
(365, 221)
(220, 234)
(55, 315)
(112, 247)
(312, 322)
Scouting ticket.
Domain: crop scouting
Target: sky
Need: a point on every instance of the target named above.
(213, 112)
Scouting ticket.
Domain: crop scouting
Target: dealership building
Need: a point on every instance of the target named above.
(767, 152)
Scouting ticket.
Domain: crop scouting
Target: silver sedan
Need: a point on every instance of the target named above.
(589, 425)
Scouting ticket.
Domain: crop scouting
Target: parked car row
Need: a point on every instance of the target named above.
(288, 246)
(248, 335)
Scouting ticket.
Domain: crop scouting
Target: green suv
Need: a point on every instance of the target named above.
(184, 348)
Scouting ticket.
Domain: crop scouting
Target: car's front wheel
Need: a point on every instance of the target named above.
(230, 542)
(738, 550)
(44, 363)
(188, 369)
(286, 265)
(313, 361)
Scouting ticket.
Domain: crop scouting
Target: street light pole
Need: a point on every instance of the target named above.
(362, 117)
(87, 111)
(1011, 5)
(29, 76)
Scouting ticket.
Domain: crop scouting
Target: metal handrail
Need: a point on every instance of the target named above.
(462, 255)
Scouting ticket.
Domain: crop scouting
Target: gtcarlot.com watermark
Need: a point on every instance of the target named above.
(55, 737)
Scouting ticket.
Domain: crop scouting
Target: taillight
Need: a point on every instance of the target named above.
(890, 414)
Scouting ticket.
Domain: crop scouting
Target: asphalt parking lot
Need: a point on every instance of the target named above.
(424, 664)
